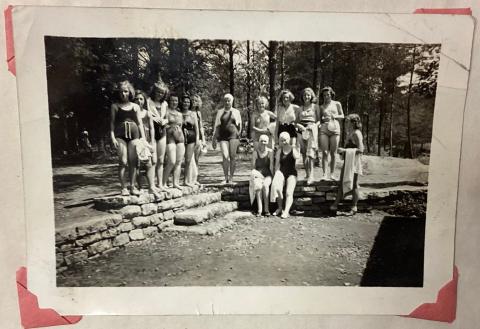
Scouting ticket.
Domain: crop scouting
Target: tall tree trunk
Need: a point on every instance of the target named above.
(391, 119)
(272, 72)
(368, 132)
(230, 67)
(316, 59)
(249, 90)
(409, 133)
(282, 66)
(380, 123)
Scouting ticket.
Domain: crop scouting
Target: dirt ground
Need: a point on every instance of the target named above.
(324, 251)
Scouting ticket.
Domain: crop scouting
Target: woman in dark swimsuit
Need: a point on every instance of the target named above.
(262, 161)
(285, 163)
(125, 128)
(227, 128)
(175, 143)
(191, 134)
(157, 106)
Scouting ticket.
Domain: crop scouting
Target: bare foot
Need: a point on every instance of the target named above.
(285, 215)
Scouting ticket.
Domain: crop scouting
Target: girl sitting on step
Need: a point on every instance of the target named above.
(261, 176)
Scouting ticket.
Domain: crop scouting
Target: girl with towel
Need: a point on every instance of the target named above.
(352, 165)
(285, 174)
(261, 176)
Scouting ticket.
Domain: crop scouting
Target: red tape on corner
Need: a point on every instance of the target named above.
(445, 307)
(444, 11)
(30, 314)
(9, 39)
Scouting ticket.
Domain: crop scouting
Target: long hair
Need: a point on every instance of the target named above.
(355, 120)
(311, 93)
(159, 86)
(131, 90)
(145, 98)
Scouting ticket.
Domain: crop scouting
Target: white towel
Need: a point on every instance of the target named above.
(277, 186)
(348, 170)
(312, 144)
(255, 184)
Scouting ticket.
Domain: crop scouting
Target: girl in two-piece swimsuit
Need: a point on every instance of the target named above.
(191, 135)
(175, 143)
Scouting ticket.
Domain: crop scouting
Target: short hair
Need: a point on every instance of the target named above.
(182, 100)
(263, 136)
(230, 96)
(160, 85)
(145, 98)
(286, 92)
(329, 89)
(284, 135)
(131, 90)
(262, 98)
(355, 120)
(311, 92)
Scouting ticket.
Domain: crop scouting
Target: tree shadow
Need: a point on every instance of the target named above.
(396, 259)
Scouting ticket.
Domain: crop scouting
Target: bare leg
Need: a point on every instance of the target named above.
(122, 161)
(324, 143)
(171, 158)
(334, 140)
(132, 165)
(355, 193)
(291, 182)
(233, 147)
(189, 150)
(259, 201)
(180, 150)
(198, 152)
(279, 206)
(161, 149)
(266, 192)
(225, 158)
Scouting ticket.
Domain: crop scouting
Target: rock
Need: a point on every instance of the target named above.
(60, 260)
(76, 258)
(141, 222)
(176, 193)
(148, 209)
(130, 211)
(187, 190)
(170, 204)
(113, 220)
(318, 199)
(198, 215)
(303, 201)
(168, 215)
(67, 247)
(165, 224)
(145, 198)
(110, 233)
(106, 252)
(88, 239)
(136, 235)
(156, 219)
(331, 196)
(125, 227)
(91, 226)
(73, 251)
(121, 240)
(99, 247)
(150, 231)
(64, 235)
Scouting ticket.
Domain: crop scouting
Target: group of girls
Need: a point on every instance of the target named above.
(170, 127)
(301, 131)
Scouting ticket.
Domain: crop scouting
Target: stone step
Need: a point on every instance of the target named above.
(195, 216)
(213, 226)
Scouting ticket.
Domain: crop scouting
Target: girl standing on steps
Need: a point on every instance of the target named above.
(352, 165)
(157, 105)
(175, 143)
(285, 174)
(260, 121)
(261, 176)
(227, 128)
(191, 134)
(125, 129)
(286, 116)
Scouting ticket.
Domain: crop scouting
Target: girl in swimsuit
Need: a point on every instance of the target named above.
(125, 128)
(330, 114)
(354, 140)
(157, 106)
(191, 134)
(262, 161)
(285, 162)
(175, 143)
(261, 120)
(286, 116)
(149, 132)
(227, 128)
(197, 105)
(307, 121)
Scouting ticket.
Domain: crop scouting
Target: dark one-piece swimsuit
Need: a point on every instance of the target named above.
(228, 129)
(287, 164)
(125, 124)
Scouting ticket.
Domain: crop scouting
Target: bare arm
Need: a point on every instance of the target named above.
(201, 129)
(272, 163)
(136, 108)
(359, 141)
(254, 158)
(152, 130)
(295, 152)
(277, 159)
(113, 113)
(339, 114)
(197, 130)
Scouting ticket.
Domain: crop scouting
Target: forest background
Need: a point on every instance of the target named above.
(391, 86)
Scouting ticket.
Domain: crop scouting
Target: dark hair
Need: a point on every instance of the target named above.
(355, 120)
(160, 85)
(182, 100)
(311, 92)
(145, 98)
(329, 89)
(131, 90)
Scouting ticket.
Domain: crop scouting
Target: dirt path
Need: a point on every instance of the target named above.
(332, 251)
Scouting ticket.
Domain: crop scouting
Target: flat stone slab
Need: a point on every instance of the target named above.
(195, 216)
(214, 226)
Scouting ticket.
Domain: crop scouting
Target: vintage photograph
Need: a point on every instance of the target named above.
(211, 162)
